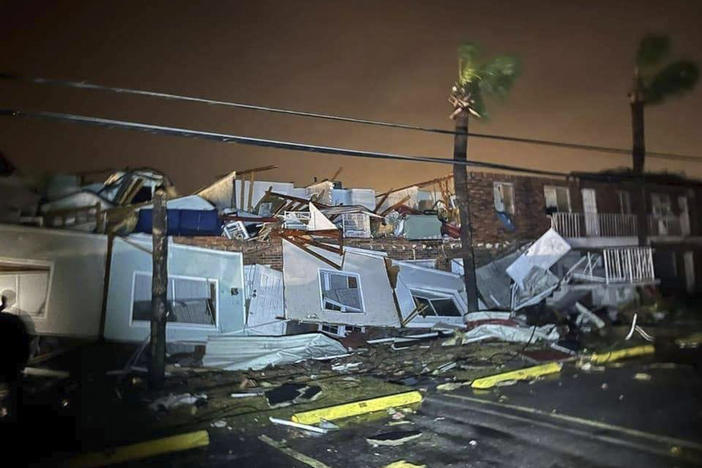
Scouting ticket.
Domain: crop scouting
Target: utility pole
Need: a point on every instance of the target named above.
(159, 288)
(638, 154)
(460, 180)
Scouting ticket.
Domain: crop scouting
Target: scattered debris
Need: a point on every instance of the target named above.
(291, 394)
(172, 401)
(305, 427)
(393, 438)
(642, 376)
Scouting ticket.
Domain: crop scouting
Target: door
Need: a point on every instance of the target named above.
(660, 207)
(689, 262)
(684, 216)
(592, 222)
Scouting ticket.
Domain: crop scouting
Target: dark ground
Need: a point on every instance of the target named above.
(601, 418)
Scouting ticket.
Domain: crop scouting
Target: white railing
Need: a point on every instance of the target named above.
(594, 224)
(628, 265)
(664, 225)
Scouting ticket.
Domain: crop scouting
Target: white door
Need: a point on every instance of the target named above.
(592, 222)
(660, 207)
(689, 272)
(684, 216)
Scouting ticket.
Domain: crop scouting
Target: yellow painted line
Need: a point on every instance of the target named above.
(622, 353)
(301, 457)
(519, 374)
(585, 422)
(142, 450)
(356, 408)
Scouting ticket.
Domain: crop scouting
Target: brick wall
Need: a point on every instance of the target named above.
(270, 252)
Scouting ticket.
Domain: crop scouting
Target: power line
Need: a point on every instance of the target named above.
(315, 115)
(229, 138)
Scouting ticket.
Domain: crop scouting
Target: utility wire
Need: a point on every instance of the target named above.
(229, 138)
(177, 97)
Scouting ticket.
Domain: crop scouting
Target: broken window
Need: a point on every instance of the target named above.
(624, 202)
(341, 291)
(435, 304)
(504, 197)
(557, 199)
(189, 300)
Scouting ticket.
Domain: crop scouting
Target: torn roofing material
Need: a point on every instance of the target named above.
(258, 352)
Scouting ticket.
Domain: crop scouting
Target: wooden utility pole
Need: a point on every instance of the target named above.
(159, 288)
(638, 154)
(460, 180)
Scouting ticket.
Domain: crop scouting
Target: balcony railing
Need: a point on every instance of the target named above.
(630, 265)
(665, 225)
(594, 224)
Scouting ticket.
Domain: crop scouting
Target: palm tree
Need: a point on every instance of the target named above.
(653, 83)
(477, 78)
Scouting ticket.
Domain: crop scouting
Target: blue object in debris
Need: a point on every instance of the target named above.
(506, 221)
(183, 222)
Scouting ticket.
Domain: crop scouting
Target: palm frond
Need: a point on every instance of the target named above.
(468, 54)
(498, 75)
(674, 79)
(653, 48)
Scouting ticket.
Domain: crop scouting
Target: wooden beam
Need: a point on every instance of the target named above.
(419, 185)
(382, 200)
(251, 188)
(256, 169)
(336, 174)
(390, 208)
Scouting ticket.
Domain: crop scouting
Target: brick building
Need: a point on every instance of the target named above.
(592, 210)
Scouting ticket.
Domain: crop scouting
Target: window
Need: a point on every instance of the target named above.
(25, 287)
(265, 209)
(624, 202)
(660, 204)
(435, 304)
(341, 291)
(189, 300)
(557, 199)
(504, 197)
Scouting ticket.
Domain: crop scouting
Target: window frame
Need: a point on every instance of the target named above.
(33, 267)
(322, 300)
(555, 189)
(425, 295)
(210, 282)
(497, 188)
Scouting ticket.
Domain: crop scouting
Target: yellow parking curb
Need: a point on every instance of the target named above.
(519, 374)
(622, 353)
(356, 408)
(141, 450)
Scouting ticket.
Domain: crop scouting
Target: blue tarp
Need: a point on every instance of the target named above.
(184, 222)
(506, 221)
